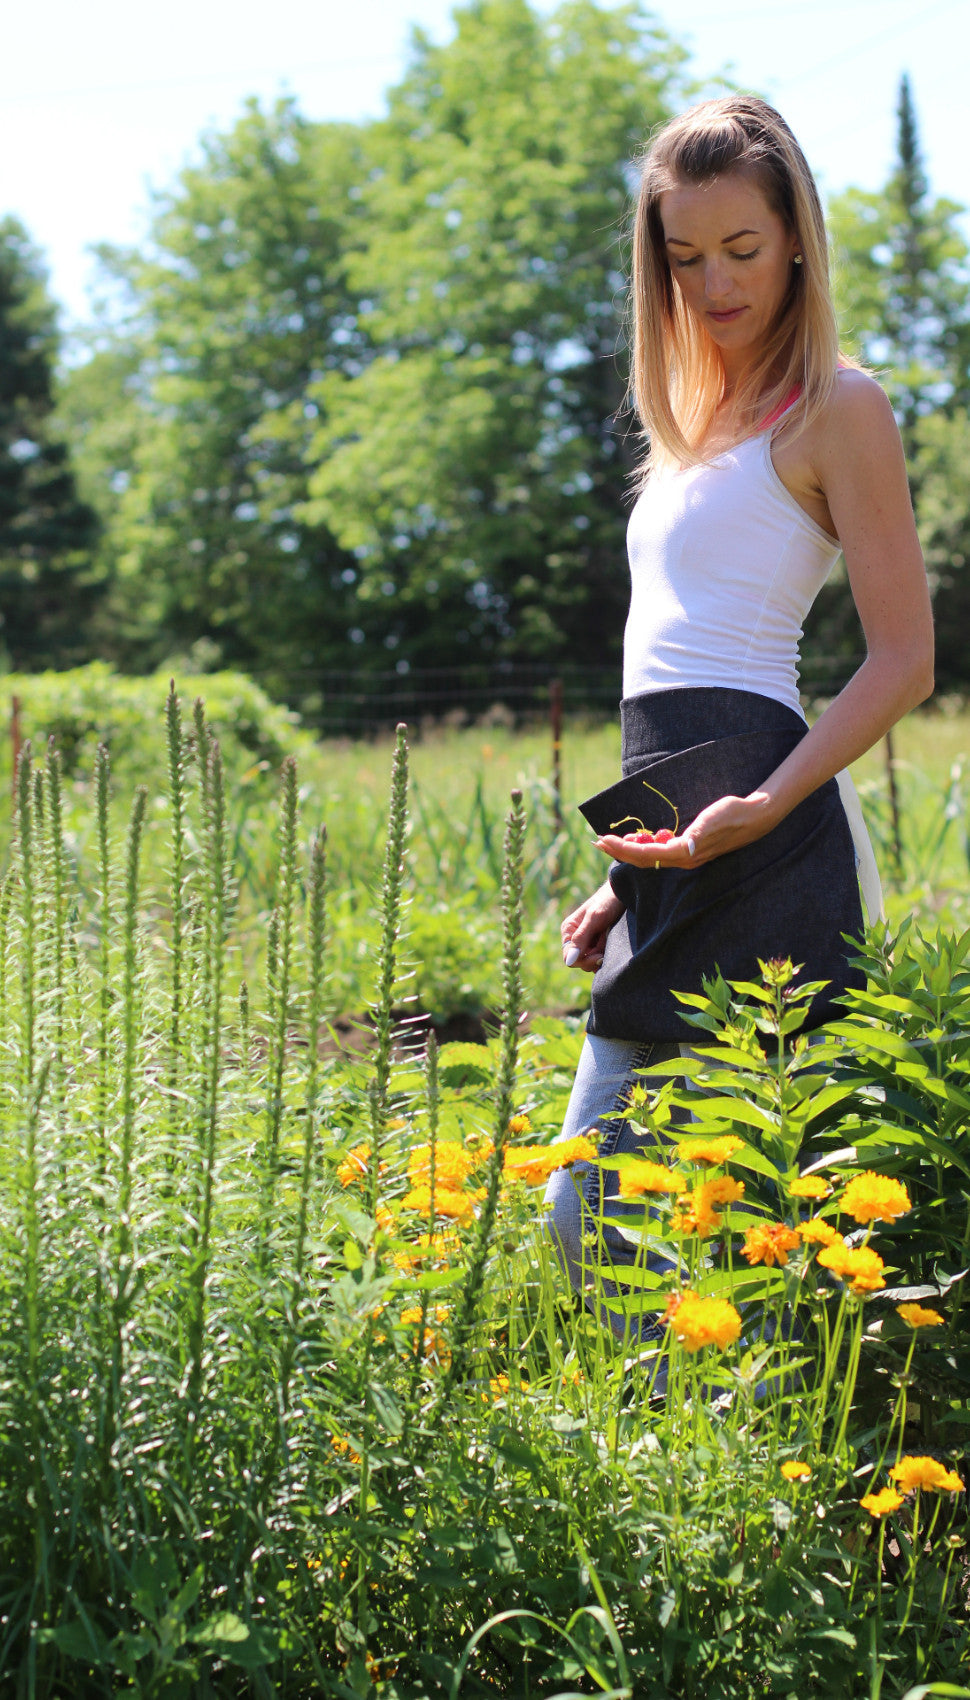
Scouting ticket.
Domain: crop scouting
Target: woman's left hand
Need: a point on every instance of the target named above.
(726, 825)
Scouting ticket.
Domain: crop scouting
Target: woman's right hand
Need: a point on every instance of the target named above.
(586, 928)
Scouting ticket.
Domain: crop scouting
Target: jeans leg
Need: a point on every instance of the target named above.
(608, 1071)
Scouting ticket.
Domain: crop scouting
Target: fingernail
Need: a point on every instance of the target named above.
(691, 847)
(571, 955)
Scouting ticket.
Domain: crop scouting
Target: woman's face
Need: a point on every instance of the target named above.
(731, 256)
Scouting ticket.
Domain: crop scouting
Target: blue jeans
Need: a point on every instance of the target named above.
(608, 1070)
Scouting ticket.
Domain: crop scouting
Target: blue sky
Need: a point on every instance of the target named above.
(99, 102)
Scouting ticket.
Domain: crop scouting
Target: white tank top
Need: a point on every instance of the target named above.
(725, 566)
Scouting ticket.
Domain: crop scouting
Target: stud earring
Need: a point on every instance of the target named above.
(798, 258)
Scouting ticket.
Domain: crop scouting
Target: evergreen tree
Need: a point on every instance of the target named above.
(47, 588)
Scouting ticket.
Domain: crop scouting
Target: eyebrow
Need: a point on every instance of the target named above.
(679, 242)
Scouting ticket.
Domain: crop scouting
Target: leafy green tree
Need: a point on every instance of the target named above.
(197, 409)
(477, 462)
(47, 587)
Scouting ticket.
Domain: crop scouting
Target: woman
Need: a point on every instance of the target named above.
(769, 455)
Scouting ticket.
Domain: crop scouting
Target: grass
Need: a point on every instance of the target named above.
(294, 1401)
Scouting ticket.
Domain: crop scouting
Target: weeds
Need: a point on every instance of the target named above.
(295, 1401)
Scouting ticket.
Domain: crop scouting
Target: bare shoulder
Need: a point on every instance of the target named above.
(857, 419)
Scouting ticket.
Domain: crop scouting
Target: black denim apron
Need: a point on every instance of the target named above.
(793, 893)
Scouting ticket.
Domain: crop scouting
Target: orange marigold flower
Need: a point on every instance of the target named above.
(698, 1322)
(923, 1472)
(795, 1471)
(820, 1231)
(644, 1177)
(447, 1202)
(881, 1503)
(535, 1163)
(860, 1266)
(520, 1124)
(875, 1198)
(344, 1446)
(697, 1214)
(769, 1242)
(452, 1164)
(809, 1186)
(917, 1317)
(709, 1150)
(355, 1165)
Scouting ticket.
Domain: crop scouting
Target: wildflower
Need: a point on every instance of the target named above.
(433, 1345)
(344, 1446)
(709, 1150)
(917, 1317)
(861, 1266)
(697, 1214)
(452, 1164)
(809, 1186)
(777, 971)
(447, 1202)
(923, 1472)
(820, 1231)
(520, 1124)
(355, 1165)
(795, 1471)
(769, 1242)
(698, 1322)
(649, 1177)
(881, 1503)
(875, 1198)
(535, 1163)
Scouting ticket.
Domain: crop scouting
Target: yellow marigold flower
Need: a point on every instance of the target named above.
(820, 1231)
(769, 1242)
(649, 1177)
(355, 1165)
(861, 1266)
(697, 1214)
(881, 1503)
(795, 1471)
(698, 1322)
(709, 1150)
(917, 1317)
(447, 1202)
(923, 1472)
(875, 1198)
(809, 1186)
(535, 1163)
(520, 1124)
(452, 1164)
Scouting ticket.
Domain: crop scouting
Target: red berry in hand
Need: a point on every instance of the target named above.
(663, 836)
(643, 837)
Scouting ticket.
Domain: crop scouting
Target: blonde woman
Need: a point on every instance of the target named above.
(769, 455)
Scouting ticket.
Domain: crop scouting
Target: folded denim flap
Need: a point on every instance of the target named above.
(689, 781)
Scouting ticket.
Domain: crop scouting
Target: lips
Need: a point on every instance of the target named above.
(727, 317)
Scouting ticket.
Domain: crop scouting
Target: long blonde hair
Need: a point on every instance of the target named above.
(678, 377)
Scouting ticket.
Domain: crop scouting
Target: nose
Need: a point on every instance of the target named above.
(717, 282)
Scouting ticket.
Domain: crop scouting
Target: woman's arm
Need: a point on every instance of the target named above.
(857, 460)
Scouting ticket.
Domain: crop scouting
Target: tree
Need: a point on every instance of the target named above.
(47, 587)
(477, 462)
(197, 413)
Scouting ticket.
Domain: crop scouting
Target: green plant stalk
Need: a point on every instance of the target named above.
(32, 1269)
(101, 784)
(504, 1096)
(392, 887)
(433, 1101)
(6, 899)
(25, 821)
(316, 928)
(175, 742)
(280, 992)
(216, 945)
(55, 840)
(123, 1238)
